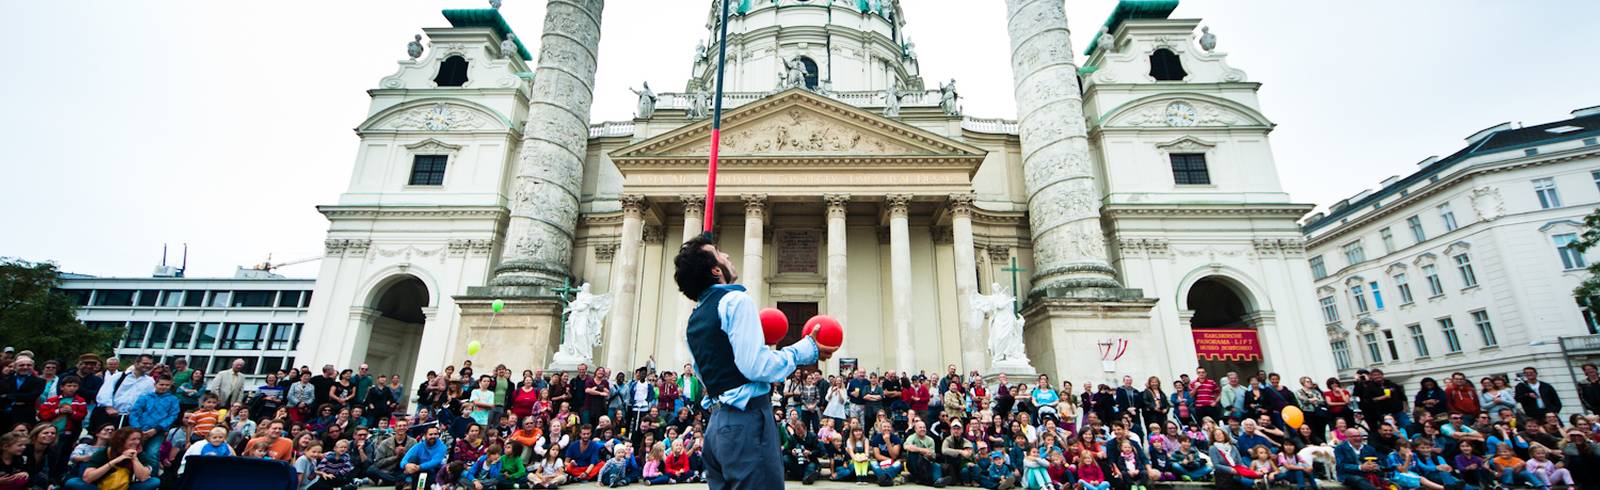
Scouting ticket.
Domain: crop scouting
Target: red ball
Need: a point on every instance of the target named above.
(829, 333)
(774, 325)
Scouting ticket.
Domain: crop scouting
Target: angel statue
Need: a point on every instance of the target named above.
(948, 98)
(794, 73)
(584, 314)
(1005, 326)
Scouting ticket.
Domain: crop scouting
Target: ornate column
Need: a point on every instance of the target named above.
(1063, 204)
(694, 211)
(750, 273)
(544, 207)
(838, 272)
(900, 279)
(972, 335)
(619, 333)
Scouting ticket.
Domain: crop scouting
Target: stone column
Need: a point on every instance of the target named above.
(900, 279)
(838, 272)
(972, 335)
(1063, 198)
(549, 175)
(619, 333)
(694, 211)
(750, 272)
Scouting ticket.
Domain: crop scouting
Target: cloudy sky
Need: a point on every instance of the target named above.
(222, 124)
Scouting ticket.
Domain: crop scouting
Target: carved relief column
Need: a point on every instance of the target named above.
(900, 278)
(1063, 204)
(838, 272)
(619, 334)
(751, 275)
(972, 337)
(544, 207)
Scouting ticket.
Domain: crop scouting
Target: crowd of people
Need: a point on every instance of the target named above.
(100, 425)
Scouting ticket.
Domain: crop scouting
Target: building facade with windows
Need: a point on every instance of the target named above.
(209, 321)
(1463, 265)
(848, 186)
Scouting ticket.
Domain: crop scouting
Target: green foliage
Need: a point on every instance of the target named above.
(35, 316)
(1590, 288)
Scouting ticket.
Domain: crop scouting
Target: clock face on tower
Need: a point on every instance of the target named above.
(1180, 114)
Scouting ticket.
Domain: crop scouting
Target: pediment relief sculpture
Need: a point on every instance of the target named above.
(800, 131)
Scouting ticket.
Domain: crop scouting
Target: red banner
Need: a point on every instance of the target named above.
(1227, 344)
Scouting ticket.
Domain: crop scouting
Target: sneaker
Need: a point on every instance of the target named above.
(1186, 478)
(810, 478)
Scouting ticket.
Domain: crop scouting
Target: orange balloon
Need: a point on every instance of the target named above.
(1293, 416)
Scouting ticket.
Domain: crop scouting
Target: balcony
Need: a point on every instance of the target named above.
(1582, 344)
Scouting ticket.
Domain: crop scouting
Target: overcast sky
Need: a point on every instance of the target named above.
(222, 124)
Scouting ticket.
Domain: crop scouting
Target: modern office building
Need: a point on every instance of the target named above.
(1463, 265)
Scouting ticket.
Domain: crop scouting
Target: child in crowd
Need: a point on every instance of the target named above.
(513, 471)
(487, 472)
(1035, 471)
(1261, 462)
(1545, 470)
(1474, 470)
(618, 471)
(1187, 463)
(1292, 467)
(205, 417)
(654, 470)
(1060, 475)
(1090, 477)
(549, 472)
(1511, 470)
(336, 468)
(305, 468)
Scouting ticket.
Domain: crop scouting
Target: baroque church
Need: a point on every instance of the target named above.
(1133, 207)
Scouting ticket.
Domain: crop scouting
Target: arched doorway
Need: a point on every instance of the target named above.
(1221, 308)
(396, 329)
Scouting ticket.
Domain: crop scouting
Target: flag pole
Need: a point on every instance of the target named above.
(716, 121)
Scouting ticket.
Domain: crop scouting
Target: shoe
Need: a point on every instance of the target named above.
(1186, 478)
(942, 482)
(810, 478)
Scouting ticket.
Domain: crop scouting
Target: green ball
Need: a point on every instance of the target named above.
(497, 305)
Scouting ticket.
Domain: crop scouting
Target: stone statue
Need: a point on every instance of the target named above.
(891, 97)
(1106, 42)
(647, 101)
(494, 4)
(1005, 326)
(909, 51)
(1208, 41)
(508, 46)
(699, 50)
(794, 74)
(585, 313)
(947, 98)
(699, 100)
(414, 48)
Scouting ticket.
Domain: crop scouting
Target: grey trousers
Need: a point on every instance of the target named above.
(741, 447)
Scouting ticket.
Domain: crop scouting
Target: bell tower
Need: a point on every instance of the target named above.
(842, 45)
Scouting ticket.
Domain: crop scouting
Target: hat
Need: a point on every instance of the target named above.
(89, 358)
(997, 454)
(10, 349)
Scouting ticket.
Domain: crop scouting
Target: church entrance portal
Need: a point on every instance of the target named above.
(396, 329)
(1220, 311)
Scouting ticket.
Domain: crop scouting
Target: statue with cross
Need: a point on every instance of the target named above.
(582, 314)
(1006, 347)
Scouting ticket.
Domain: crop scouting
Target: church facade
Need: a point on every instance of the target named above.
(1134, 203)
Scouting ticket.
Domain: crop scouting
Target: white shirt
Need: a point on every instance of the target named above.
(122, 398)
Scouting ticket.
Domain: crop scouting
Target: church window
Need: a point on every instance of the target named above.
(811, 72)
(1190, 169)
(427, 170)
(452, 72)
(1165, 66)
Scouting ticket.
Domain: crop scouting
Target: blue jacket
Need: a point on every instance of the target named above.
(429, 458)
(580, 456)
(1349, 459)
(482, 469)
(154, 411)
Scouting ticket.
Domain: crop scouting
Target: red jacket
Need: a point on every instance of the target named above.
(1462, 399)
(74, 409)
(678, 464)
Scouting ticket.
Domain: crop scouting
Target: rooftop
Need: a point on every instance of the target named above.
(1585, 123)
(1133, 9)
(489, 18)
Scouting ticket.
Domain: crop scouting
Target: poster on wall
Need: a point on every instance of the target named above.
(847, 365)
(1227, 344)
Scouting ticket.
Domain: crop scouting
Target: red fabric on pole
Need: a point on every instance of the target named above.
(711, 180)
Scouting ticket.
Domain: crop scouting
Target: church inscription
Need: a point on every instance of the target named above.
(797, 251)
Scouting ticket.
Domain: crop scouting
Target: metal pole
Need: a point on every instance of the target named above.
(716, 121)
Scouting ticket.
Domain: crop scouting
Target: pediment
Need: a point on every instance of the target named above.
(435, 115)
(799, 123)
(1207, 111)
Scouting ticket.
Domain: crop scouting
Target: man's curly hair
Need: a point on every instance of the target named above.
(694, 266)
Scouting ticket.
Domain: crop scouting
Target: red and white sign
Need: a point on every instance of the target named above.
(1229, 344)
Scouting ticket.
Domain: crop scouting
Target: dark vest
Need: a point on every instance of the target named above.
(713, 354)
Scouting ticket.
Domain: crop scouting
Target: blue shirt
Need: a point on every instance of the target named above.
(154, 411)
(760, 365)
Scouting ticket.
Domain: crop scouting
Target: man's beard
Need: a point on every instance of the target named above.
(728, 277)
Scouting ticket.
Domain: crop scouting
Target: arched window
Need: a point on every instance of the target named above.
(811, 72)
(1165, 66)
(452, 72)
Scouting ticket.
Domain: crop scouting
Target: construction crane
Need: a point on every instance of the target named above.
(268, 265)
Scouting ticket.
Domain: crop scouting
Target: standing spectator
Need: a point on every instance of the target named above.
(153, 413)
(301, 397)
(482, 400)
(1154, 403)
(1315, 407)
(1003, 401)
(1206, 396)
(342, 392)
(1431, 397)
(380, 401)
(596, 392)
(1127, 397)
(190, 390)
(89, 379)
(48, 373)
(19, 393)
(322, 382)
(1536, 398)
(181, 372)
(1233, 395)
(578, 386)
(1589, 388)
(362, 380)
(120, 390)
(1383, 398)
(1495, 396)
(229, 384)
(1460, 397)
(66, 410)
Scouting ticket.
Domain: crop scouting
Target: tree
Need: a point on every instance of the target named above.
(1589, 289)
(36, 316)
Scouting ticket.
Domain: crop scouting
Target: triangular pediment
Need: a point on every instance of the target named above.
(799, 123)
